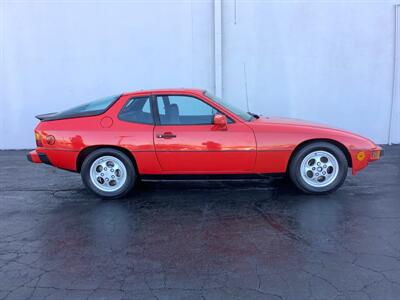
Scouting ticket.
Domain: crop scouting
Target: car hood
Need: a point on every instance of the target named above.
(307, 124)
(289, 121)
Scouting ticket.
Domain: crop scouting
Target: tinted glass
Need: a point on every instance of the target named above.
(96, 106)
(181, 110)
(237, 111)
(137, 110)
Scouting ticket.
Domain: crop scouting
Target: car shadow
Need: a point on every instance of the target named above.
(167, 192)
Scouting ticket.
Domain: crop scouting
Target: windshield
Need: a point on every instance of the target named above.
(94, 107)
(237, 111)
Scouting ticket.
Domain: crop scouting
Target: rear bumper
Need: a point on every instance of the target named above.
(37, 157)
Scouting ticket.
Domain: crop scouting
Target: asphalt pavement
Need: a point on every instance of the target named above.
(255, 239)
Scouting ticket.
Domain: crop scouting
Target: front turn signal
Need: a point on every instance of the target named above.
(376, 154)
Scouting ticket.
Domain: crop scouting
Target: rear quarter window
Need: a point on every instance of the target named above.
(91, 108)
(137, 110)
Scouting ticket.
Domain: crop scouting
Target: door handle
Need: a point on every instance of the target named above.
(166, 135)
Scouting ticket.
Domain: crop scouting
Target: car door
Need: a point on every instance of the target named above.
(187, 141)
(133, 130)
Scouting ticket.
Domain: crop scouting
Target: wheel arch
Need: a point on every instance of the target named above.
(310, 141)
(86, 151)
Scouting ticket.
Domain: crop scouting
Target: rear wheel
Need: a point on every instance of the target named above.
(108, 173)
(318, 168)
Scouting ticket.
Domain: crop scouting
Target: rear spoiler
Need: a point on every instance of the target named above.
(62, 116)
(44, 117)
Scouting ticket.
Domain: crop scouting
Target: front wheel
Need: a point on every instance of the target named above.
(108, 173)
(318, 168)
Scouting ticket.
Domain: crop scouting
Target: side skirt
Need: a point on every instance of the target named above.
(209, 176)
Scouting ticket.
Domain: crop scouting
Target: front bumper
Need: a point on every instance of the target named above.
(37, 157)
(361, 157)
(376, 154)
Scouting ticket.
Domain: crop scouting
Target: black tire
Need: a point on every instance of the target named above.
(300, 154)
(131, 174)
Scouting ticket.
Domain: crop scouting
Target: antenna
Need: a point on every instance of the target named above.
(245, 86)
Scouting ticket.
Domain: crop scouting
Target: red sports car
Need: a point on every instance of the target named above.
(116, 140)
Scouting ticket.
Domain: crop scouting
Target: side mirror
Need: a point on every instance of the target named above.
(220, 122)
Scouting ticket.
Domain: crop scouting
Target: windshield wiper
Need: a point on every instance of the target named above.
(253, 115)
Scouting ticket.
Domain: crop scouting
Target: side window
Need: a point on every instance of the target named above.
(184, 110)
(137, 110)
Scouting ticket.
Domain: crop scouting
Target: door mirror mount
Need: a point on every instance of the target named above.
(220, 122)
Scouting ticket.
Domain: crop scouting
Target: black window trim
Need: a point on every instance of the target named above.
(150, 97)
(157, 118)
(220, 104)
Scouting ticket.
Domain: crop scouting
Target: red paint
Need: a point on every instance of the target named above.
(106, 122)
(262, 145)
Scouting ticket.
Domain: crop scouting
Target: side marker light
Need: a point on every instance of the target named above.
(361, 155)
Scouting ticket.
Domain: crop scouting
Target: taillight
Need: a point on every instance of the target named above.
(38, 139)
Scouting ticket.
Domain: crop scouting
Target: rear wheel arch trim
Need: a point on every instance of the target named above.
(342, 147)
(86, 151)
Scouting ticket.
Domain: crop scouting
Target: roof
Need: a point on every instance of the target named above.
(168, 90)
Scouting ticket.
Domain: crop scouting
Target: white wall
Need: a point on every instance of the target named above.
(330, 62)
(57, 54)
(326, 61)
